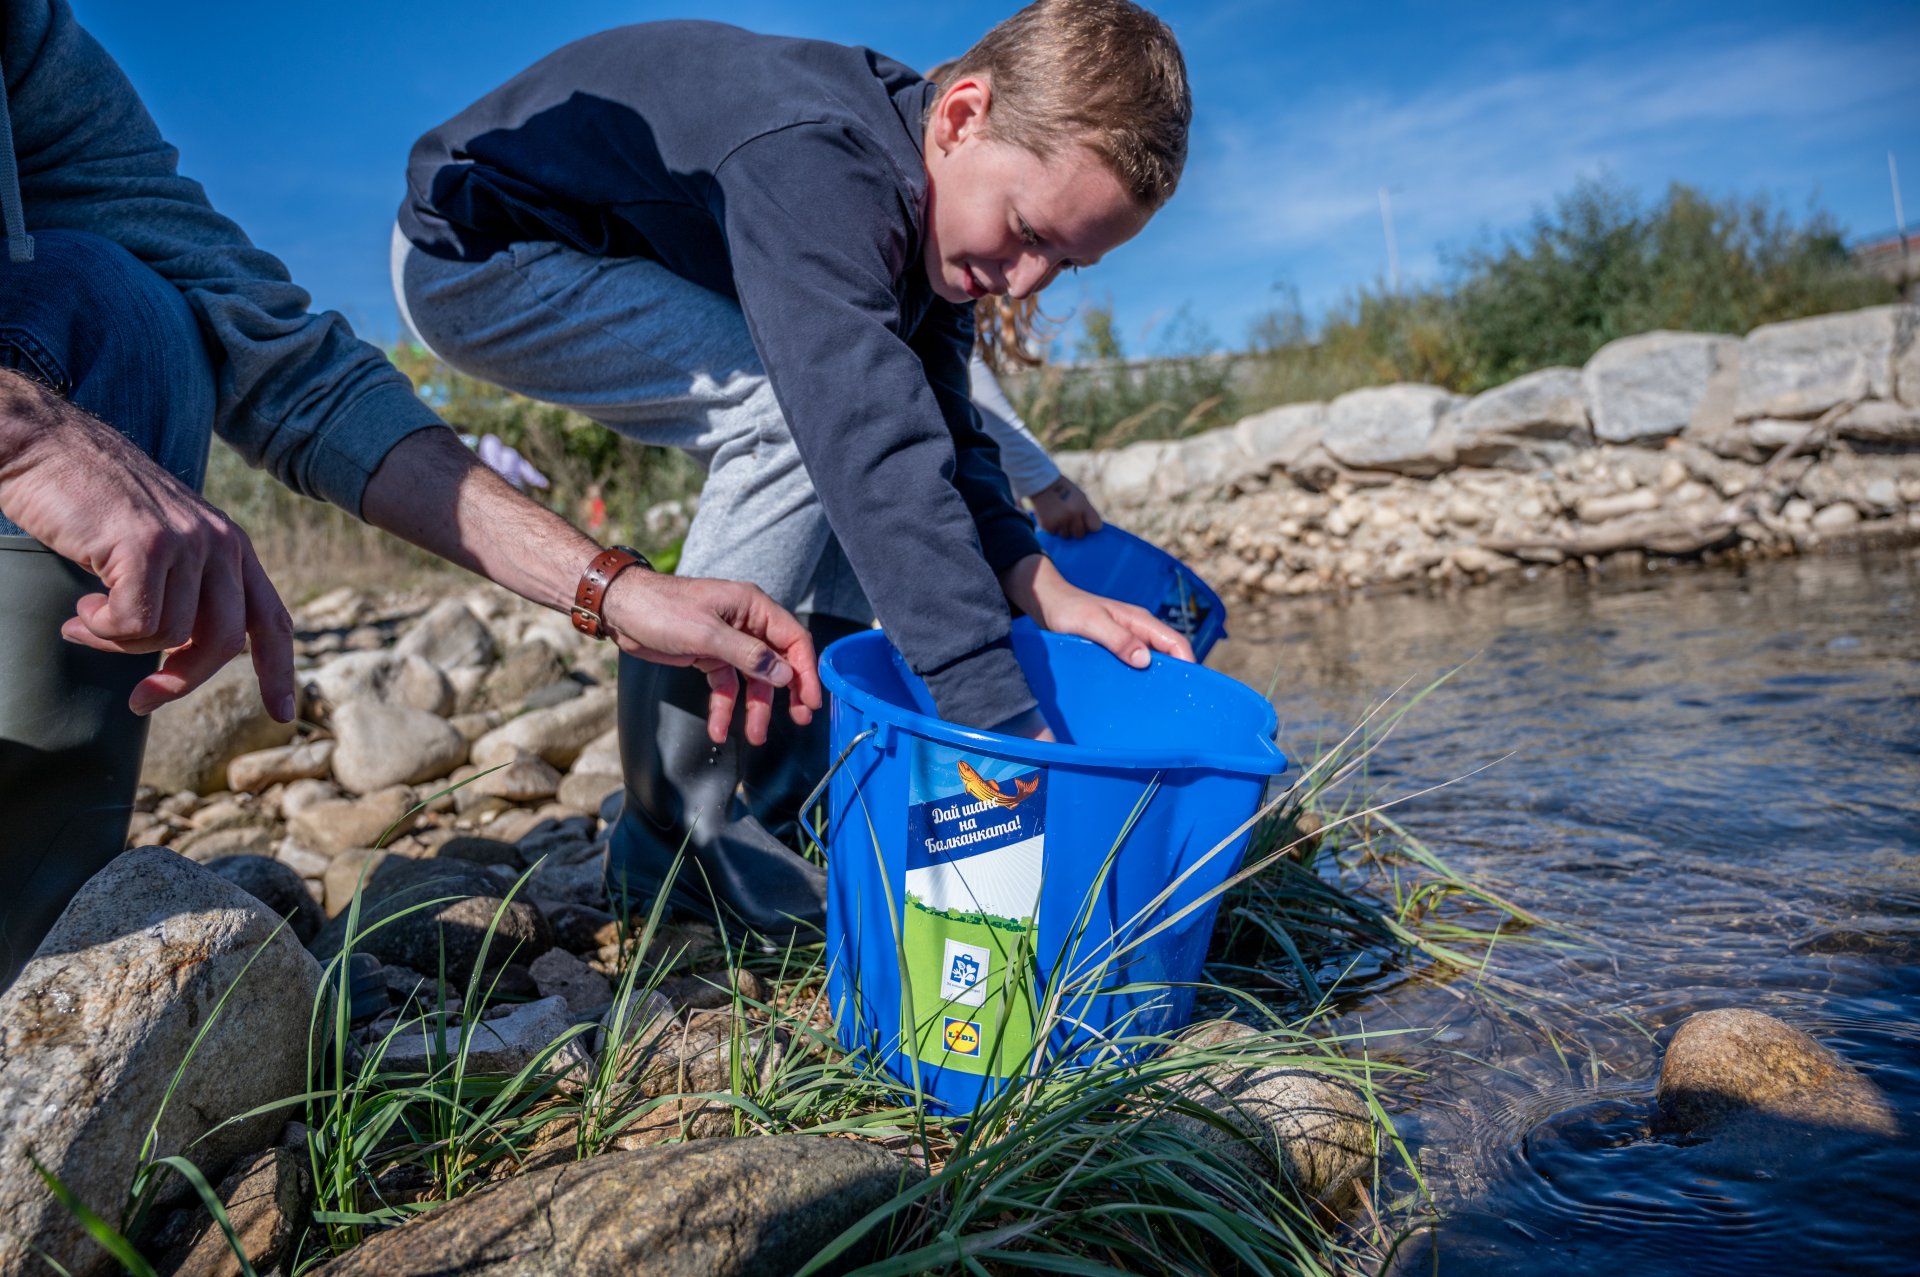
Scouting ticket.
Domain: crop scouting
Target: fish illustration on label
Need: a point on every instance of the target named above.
(987, 792)
(976, 843)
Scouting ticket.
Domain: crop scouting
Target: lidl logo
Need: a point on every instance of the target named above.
(963, 1037)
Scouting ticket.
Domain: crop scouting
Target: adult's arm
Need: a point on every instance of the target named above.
(298, 393)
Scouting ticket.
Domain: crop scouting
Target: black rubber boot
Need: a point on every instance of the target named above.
(69, 748)
(779, 775)
(683, 792)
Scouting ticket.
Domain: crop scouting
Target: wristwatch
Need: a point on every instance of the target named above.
(591, 594)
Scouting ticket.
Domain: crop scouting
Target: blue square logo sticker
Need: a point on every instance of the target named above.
(963, 1037)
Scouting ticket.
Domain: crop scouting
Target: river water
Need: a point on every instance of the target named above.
(1715, 782)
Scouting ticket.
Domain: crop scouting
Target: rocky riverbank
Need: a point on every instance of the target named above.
(1665, 446)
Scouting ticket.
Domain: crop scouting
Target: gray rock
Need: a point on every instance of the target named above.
(1280, 438)
(1803, 367)
(1312, 1127)
(191, 741)
(481, 851)
(1616, 505)
(386, 677)
(602, 754)
(1204, 462)
(383, 745)
(343, 875)
(254, 838)
(469, 898)
(558, 974)
(1737, 1065)
(302, 794)
(333, 825)
(1840, 515)
(1390, 428)
(276, 886)
(309, 760)
(449, 636)
(529, 666)
(1530, 423)
(93, 1030)
(502, 1044)
(584, 791)
(1131, 473)
(526, 779)
(1906, 366)
(555, 693)
(267, 1199)
(1882, 424)
(1651, 385)
(720, 1208)
(558, 734)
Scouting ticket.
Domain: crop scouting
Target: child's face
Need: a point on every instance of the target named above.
(1002, 220)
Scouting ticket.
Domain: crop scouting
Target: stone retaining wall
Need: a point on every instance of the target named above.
(1666, 444)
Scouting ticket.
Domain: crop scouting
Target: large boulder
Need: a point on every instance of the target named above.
(557, 734)
(467, 899)
(191, 740)
(1130, 475)
(1390, 428)
(1736, 1067)
(450, 636)
(716, 1208)
(1203, 462)
(1529, 423)
(94, 1029)
(1650, 386)
(381, 745)
(1803, 367)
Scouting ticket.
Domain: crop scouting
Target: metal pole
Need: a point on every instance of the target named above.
(1393, 251)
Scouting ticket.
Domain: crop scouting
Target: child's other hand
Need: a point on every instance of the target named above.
(1065, 510)
(1131, 633)
(725, 629)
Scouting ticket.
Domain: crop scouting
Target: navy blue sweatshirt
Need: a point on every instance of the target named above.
(787, 174)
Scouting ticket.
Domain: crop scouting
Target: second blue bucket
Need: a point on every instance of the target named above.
(1122, 566)
(986, 891)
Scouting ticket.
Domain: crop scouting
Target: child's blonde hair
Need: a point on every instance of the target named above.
(1005, 332)
(1104, 74)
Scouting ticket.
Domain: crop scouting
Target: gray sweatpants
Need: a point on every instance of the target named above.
(663, 361)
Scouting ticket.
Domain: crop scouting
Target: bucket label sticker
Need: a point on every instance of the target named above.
(963, 1037)
(976, 844)
(1184, 608)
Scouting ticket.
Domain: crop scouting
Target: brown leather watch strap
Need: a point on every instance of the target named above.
(591, 594)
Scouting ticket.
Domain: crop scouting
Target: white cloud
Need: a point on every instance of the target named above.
(1483, 147)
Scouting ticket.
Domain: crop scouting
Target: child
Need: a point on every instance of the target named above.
(764, 251)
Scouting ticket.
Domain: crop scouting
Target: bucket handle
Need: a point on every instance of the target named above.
(806, 808)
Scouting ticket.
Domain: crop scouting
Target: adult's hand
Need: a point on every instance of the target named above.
(1065, 510)
(1131, 633)
(180, 577)
(435, 493)
(725, 629)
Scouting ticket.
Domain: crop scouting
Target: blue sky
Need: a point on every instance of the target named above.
(298, 119)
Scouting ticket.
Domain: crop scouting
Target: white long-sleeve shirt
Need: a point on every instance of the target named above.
(1027, 464)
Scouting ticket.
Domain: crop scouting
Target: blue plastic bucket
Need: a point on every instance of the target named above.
(1122, 566)
(970, 881)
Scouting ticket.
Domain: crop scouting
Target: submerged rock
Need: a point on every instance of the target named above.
(718, 1208)
(1737, 1065)
(94, 1029)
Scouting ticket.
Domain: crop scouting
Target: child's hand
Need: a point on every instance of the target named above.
(1064, 510)
(1131, 633)
(719, 627)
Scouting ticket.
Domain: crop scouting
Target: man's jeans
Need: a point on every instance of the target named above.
(88, 320)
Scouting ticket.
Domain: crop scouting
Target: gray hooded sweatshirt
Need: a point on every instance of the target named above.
(299, 394)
